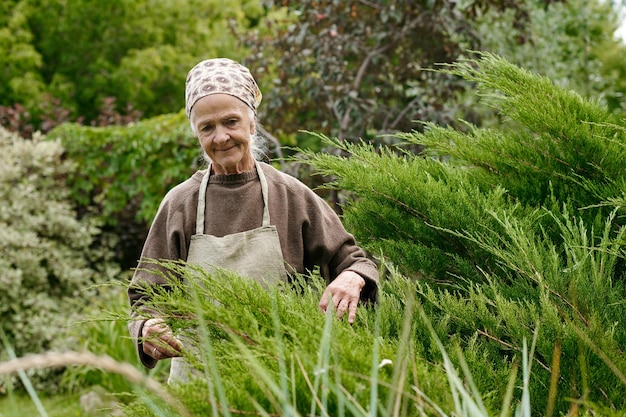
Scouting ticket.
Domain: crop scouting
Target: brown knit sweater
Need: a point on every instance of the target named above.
(310, 232)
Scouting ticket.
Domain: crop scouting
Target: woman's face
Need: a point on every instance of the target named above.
(224, 125)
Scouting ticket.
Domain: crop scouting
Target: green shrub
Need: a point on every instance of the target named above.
(125, 172)
(122, 165)
(508, 231)
(48, 256)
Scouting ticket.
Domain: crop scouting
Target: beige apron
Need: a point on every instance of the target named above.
(254, 253)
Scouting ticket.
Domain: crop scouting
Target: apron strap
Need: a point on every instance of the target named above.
(266, 206)
(202, 202)
(202, 198)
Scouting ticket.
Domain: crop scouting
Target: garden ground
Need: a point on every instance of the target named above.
(66, 405)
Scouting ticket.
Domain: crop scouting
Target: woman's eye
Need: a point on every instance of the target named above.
(231, 122)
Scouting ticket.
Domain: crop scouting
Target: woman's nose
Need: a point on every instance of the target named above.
(220, 134)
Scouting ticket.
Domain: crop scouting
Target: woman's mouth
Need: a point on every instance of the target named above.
(226, 149)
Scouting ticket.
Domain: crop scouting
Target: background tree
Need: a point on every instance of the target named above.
(360, 68)
(78, 55)
(571, 43)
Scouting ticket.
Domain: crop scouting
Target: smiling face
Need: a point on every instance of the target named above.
(224, 126)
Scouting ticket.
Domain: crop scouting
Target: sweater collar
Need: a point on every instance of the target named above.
(234, 178)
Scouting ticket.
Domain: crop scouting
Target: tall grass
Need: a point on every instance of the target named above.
(89, 360)
(104, 331)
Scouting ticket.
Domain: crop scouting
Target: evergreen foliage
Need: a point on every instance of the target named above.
(48, 258)
(270, 351)
(508, 230)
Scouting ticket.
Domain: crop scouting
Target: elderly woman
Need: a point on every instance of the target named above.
(243, 215)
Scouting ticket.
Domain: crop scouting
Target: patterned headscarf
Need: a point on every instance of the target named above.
(221, 75)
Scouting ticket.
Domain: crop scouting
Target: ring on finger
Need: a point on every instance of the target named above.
(154, 351)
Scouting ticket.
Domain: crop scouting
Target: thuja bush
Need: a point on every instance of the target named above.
(48, 260)
(509, 231)
(271, 351)
(125, 171)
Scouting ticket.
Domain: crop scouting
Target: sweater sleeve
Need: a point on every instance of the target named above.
(334, 249)
(167, 239)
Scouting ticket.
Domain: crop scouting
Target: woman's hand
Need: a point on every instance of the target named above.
(344, 291)
(158, 340)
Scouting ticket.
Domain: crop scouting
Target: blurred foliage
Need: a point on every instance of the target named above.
(49, 257)
(81, 53)
(571, 43)
(125, 172)
(362, 68)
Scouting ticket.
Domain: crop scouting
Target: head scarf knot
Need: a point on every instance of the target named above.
(221, 75)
